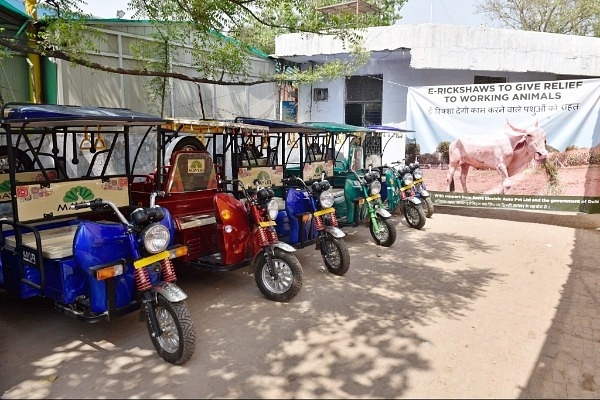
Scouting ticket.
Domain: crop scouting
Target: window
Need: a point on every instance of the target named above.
(320, 94)
(364, 96)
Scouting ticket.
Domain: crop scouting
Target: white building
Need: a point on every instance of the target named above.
(430, 54)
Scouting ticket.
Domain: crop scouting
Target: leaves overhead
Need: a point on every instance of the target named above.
(220, 35)
(569, 17)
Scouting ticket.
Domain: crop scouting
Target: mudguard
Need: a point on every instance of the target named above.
(169, 291)
(383, 213)
(335, 231)
(424, 193)
(284, 246)
(414, 200)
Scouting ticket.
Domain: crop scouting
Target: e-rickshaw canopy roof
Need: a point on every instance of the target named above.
(51, 115)
(192, 125)
(337, 127)
(276, 126)
(388, 128)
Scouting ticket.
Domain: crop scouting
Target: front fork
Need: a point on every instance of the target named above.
(150, 292)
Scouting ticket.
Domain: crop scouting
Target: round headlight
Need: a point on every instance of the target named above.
(418, 173)
(156, 238)
(407, 179)
(272, 209)
(326, 199)
(375, 188)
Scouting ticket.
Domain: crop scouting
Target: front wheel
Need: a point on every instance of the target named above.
(427, 206)
(335, 255)
(286, 283)
(178, 340)
(386, 236)
(414, 215)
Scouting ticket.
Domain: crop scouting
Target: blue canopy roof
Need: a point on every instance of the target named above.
(61, 115)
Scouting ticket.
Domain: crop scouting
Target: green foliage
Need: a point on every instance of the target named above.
(198, 27)
(569, 17)
(412, 150)
(443, 150)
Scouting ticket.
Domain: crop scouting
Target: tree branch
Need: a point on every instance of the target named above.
(10, 44)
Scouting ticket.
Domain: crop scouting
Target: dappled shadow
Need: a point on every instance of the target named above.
(350, 336)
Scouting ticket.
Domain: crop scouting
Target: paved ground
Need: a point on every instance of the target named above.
(479, 304)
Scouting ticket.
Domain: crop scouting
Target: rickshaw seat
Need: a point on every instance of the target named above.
(56, 242)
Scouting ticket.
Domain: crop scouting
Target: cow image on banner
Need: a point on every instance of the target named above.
(529, 145)
(508, 153)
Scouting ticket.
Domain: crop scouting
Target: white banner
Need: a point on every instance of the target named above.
(566, 111)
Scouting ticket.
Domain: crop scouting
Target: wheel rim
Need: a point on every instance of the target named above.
(383, 234)
(284, 279)
(332, 255)
(412, 215)
(169, 340)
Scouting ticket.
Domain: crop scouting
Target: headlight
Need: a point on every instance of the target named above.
(156, 238)
(375, 188)
(272, 209)
(326, 199)
(418, 173)
(407, 179)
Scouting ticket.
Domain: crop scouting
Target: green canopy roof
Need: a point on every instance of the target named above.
(338, 127)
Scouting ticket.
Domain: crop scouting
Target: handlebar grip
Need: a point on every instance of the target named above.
(87, 204)
(79, 206)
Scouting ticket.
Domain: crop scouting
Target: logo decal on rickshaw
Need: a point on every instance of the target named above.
(22, 191)
(75, 193)
(264, 178)
(5, 186)
(195, 166)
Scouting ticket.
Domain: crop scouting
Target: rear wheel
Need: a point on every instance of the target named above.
(386, 236)
(414, 215)
(178, 340)
(286, 283)
(335, 255)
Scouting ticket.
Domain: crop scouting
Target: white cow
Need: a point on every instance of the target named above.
(507, 152)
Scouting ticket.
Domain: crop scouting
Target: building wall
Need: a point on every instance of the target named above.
(396, 80)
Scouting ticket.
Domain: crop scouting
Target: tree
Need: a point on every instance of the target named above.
(202, 25)
(569, 17)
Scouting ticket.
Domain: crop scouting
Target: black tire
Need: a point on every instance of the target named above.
(178, 341)
(289, 276)
(188, 143)
(414, 215)
(387, 235)
(24, 162)
(427, 206)
(335, 255)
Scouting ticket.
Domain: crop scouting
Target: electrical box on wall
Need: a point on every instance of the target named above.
(320, 94)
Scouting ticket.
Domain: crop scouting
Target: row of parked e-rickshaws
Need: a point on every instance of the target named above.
(100, 206)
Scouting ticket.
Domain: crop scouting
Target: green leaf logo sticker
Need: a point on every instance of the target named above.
(77, 192)
(263, 176)
(5, 186)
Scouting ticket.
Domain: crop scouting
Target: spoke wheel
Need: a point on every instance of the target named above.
(335, 255)
(386, 236)
(177, 342)
(287, 281)
(414, 215)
